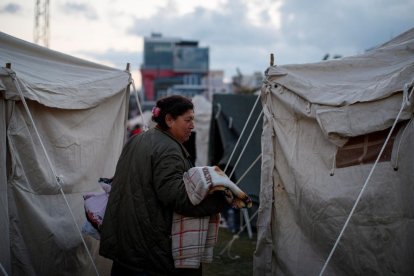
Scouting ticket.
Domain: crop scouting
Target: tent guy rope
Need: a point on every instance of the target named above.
(248, 220)
(241, 134)
(3, 270)
(144, 124)
(406, 100)
(228, 246)
(235, 237)
(247, 142)
(58, 179)
(248, 169)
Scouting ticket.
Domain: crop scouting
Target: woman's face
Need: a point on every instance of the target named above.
(181, 127)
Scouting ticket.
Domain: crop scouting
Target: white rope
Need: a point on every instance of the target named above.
(227, 248)
(405, 100)
(57, 179)
(241, 134)
(144, 124)
(247, 142)
(3, 270)
(236, 236)
(248, 169)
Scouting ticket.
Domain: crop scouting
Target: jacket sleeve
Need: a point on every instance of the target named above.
(170, 189)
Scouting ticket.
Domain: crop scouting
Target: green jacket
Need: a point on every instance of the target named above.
(147, 187)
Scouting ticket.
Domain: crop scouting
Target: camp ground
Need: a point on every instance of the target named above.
(334, 143)
(62, 126)
(337, 176)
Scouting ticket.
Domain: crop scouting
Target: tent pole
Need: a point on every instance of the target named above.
(5, 252)
(144, 124)
(272, 59)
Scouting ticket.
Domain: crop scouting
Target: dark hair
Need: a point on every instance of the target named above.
(174, 105)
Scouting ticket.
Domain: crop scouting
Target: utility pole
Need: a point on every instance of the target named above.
(41, 26)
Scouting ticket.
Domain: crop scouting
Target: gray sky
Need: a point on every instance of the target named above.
(239, 33)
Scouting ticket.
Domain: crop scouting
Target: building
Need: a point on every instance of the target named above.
(215, 84)
(247, 84)
(173, 66)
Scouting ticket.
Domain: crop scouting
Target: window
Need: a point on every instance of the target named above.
(364, 149)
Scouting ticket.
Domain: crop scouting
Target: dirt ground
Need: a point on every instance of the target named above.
(239, 261)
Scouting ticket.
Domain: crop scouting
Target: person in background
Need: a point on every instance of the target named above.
(135, 131)
(147, 188)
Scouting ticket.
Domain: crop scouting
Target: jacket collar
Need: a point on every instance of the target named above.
(187, 155)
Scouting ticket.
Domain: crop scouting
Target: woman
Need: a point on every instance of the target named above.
(147, 188)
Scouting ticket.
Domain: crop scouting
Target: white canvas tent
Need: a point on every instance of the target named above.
(202, 110)
(79, 109)
(324, 126)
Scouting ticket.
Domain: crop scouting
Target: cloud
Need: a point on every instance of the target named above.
(11, 8)
(78, 9)
(239, 33)
(228, 26)
(350, 26)
(233, 41)
(116, 58)
(242, 33)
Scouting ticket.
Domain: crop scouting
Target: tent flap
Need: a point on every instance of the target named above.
(55, 79)
(374, 75)
(362, 118)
